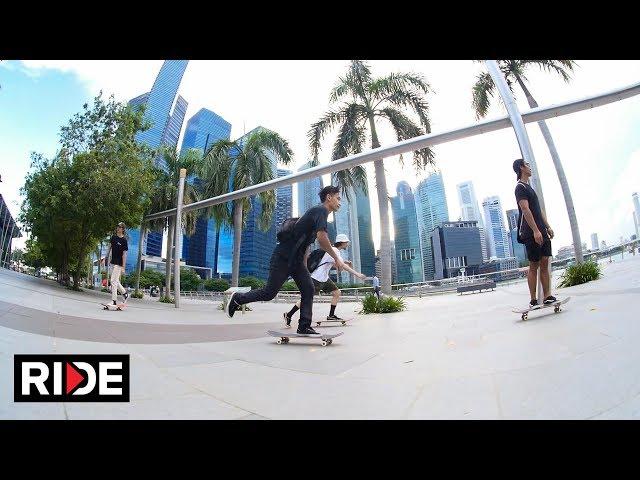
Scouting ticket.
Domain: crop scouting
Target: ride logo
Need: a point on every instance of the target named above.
(71, 378)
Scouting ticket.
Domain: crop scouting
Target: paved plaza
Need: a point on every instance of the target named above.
(446, 357)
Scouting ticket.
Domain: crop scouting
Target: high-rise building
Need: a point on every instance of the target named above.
(636, 211)
(517, 249)
(163, 127)
(394, 267)
(499, 243)
(365, 234)
(284, 201)
(346, 221)
(308, 191)
(594, 242)
(512, 218)
(431, 210)
(202, 130)
(456, 245)
(469, 210)
(407, 235)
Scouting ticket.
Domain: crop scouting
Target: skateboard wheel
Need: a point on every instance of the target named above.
(279, 341)
(344, 323)
(524, 316)
(318, 323)
(330, 341)
(324, 343)
(556, 309)
(286, 340)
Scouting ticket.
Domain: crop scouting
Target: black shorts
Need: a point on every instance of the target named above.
(535, 252)
(326, 287)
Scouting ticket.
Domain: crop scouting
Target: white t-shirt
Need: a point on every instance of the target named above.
(321, 274)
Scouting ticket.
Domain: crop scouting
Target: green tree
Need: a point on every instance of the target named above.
(100, 177)
(17, 255)
(216, 284)
(189, 280)
(233, 165)
(252, 282)
(165, 196)
(33, 256)
(361, 100)
(514, 72)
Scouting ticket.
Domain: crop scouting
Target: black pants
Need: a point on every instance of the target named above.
(377, 290)
(279, 271)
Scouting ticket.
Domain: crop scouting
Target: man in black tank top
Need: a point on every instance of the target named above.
(534, 232)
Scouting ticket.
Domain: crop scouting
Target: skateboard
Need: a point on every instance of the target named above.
(110, 306)
(556, 308)
(327, 338)
(343, 321)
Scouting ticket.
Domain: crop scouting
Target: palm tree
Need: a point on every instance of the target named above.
(514, 71)
(363, 99)
(165, 197)
(233, 165)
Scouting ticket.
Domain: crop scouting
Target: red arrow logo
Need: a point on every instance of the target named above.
(73, 377)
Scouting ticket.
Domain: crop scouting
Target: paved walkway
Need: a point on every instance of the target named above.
(446, 357)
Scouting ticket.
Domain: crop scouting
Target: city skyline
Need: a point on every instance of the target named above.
(60, 87)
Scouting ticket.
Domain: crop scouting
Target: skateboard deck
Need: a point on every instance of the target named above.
(343, 321)
(557, 306)
(108, 306)
(327, 338)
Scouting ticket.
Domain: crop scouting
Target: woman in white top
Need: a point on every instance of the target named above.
(322, 281)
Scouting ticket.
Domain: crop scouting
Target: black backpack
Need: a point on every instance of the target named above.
(313, 261)
(286, 229)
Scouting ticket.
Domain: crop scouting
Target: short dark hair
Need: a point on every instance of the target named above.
(339, 244)
(517, 164)
(328, 190)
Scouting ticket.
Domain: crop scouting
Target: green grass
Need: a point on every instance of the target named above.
(580, 273)
(371, 304)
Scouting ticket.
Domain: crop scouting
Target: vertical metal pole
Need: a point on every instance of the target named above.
(178, 239)
(4, 231)
(518, 128)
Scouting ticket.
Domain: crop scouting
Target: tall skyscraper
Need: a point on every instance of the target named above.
(346, 221)
(164, 125)
(308, 191)
(284, 201)
(202, 130)
(469, 210)
(407, 235)
(512, 218)
(499, 243)
(431, 210)
(636, 210)
(365, 234)
(594, 241)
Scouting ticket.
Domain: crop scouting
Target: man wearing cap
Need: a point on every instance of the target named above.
(534, 232)
(322, 282)
(118, 248)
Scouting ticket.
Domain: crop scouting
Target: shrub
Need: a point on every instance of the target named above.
(167, 299)
(252, 282)
(105, 290)
(216, 284)
(289, 286)
(189, 280)
(137, 294)
(371, 304)
(580, 273)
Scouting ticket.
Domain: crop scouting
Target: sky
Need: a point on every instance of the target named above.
(599, 148)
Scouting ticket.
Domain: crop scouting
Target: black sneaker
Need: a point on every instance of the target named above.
(550, 299)
(126, 296)
(333, 317)
(232, 306)
(307, 331)
(287, 320)
(114, 302)
(533, 303)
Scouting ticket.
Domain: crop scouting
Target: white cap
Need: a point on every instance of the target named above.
(341, 238)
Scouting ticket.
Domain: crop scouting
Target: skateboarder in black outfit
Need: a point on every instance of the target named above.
(290, 259)
(534, 232)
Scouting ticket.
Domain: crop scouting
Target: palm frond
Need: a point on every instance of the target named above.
(483, 91)
(319, 129)
(352, 134)
(564, 68)
(405, 129)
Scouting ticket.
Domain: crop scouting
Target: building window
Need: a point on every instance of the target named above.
(408, 254)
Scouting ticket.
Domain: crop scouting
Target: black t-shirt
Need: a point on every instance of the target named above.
(304, 231)
(524, 191)
(118, 246)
